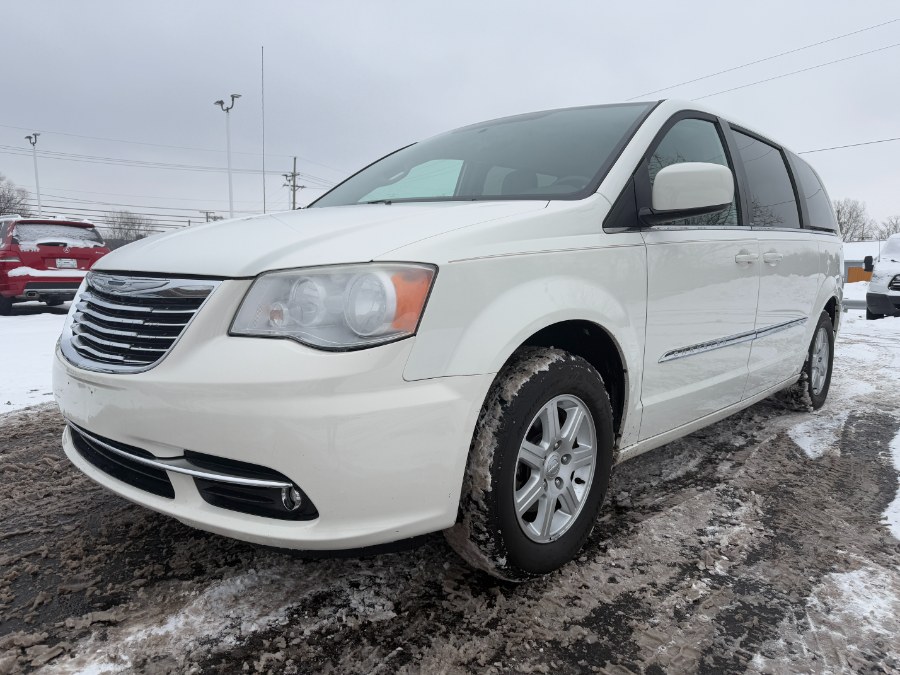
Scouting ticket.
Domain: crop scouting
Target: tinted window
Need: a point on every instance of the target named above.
(771, 194)
(537, 156)
(693, 141)
(818, 205)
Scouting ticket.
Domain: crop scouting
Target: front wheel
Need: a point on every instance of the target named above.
(871, 316)
(538, 467)
(5, 306)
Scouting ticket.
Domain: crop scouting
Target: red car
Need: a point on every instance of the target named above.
(45, 258)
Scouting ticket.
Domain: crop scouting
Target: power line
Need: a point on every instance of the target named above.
(164, 145)
(120, 161)
(802, 70)
(849, 145)
(763, 60)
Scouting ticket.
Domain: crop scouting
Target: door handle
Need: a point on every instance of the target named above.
(772, 258)
(746, 258)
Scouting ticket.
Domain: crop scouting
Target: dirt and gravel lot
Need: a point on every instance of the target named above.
(757, 545)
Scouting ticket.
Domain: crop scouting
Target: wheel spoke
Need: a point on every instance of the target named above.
(569, 499)
(529, 494)
(575, 417)
(545, 516)
(532, 455)
(581, 456)
(550, 423)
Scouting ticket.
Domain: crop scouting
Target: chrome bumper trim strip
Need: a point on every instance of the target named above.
(183, 466)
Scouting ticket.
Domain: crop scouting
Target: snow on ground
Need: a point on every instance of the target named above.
(27, 341)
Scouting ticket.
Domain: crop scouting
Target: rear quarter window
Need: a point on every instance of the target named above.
(818, 204)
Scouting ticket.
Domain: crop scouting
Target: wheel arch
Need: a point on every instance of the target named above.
(598, 347)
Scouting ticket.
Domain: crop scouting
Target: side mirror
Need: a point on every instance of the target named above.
(868, 263)
(689, 189)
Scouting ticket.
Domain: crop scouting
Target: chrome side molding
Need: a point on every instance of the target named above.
(728, 341)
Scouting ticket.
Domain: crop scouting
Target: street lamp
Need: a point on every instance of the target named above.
(227, 110)
(32, 138)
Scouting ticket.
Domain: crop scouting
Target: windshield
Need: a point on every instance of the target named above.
(558, 154)
(891, 249)
(38, 234)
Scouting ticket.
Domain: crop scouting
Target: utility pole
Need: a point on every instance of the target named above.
(291, 182)
(37, 183)
(227, 110)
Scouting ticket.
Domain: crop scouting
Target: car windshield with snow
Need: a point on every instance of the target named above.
(465, 336)
(45, 259)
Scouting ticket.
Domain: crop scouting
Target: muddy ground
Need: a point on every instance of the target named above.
(755, 545)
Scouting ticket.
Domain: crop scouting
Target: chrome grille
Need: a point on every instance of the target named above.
(129, 323)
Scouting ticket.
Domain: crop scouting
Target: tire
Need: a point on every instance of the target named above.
(5, 306)
(815, 378)
(871, 316)
(510, 443)
(53, 302)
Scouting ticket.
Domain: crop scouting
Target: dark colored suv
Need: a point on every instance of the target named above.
(45, 258)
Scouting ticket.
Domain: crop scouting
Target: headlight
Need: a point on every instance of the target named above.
(341, 307)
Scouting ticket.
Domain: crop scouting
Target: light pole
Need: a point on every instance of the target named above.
(227, 110)
(37, 184)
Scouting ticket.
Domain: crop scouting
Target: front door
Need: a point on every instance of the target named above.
(703, 282)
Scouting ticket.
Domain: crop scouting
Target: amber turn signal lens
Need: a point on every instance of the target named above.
(411, 287)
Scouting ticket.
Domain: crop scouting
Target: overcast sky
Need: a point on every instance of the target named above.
(347, 82)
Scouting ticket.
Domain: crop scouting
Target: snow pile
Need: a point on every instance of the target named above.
(819, 434)
(26, 345)
(856, 291)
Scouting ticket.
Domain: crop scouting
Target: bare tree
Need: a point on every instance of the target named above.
(13, 199)
(855, 222)
(126, 226)
(889, 226)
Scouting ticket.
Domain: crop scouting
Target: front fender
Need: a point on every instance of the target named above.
(482, 310)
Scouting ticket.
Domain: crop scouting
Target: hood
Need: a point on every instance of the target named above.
(246, 247)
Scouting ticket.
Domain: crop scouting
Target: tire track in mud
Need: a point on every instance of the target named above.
(726, 551)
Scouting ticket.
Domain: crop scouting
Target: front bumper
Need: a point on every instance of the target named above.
(381, 459)
(883, 303)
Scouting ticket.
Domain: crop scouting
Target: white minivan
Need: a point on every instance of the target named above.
(466, 335)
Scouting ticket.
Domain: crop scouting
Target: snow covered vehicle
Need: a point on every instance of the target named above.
(465, 336)
(45, 259)
(883, 295)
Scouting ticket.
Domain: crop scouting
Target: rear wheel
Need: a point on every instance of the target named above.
(53, 302)
(819, 362)
(538, 468)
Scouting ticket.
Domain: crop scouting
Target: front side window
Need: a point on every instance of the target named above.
(771, 193)
(692, 140)
(558, 154)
